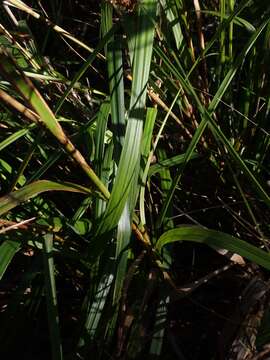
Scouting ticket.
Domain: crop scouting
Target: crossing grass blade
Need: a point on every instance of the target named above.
(169, 162)
(25, 87)
(7, 169)
(219, 135)
(85, 67)
(146, 170)
(236, 65)
(27, 9)
(224, 24)
(237, 20)
(14, 137)
(188, 155)
(206, 116)
(26, 160)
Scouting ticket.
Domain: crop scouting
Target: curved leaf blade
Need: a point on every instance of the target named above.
(15, 198)
(215, 239)
(7, 251)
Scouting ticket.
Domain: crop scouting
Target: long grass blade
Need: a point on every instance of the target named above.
(15, 198)
(216, 239)
(130, 155)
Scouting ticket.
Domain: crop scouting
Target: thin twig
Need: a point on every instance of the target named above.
(17, 225)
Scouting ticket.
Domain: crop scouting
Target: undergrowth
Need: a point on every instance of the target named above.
(134, 163)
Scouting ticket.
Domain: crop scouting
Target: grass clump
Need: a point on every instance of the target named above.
(134, 170)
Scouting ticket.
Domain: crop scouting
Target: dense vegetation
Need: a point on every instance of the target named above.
(134, 173)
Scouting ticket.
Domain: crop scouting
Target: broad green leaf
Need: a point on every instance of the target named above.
(100, 133)
(165, 184)
(82, 226)
(113, 50)
(216, 239)
(130, 155)
(7, 251)
(173, 19)
(116, 76)
(51, 298)
(147, 155)
(161, 319)
(7, 169)
(15, 198)
(121, 253)
(96, 309)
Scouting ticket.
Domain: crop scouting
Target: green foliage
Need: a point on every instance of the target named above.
(149, 128)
